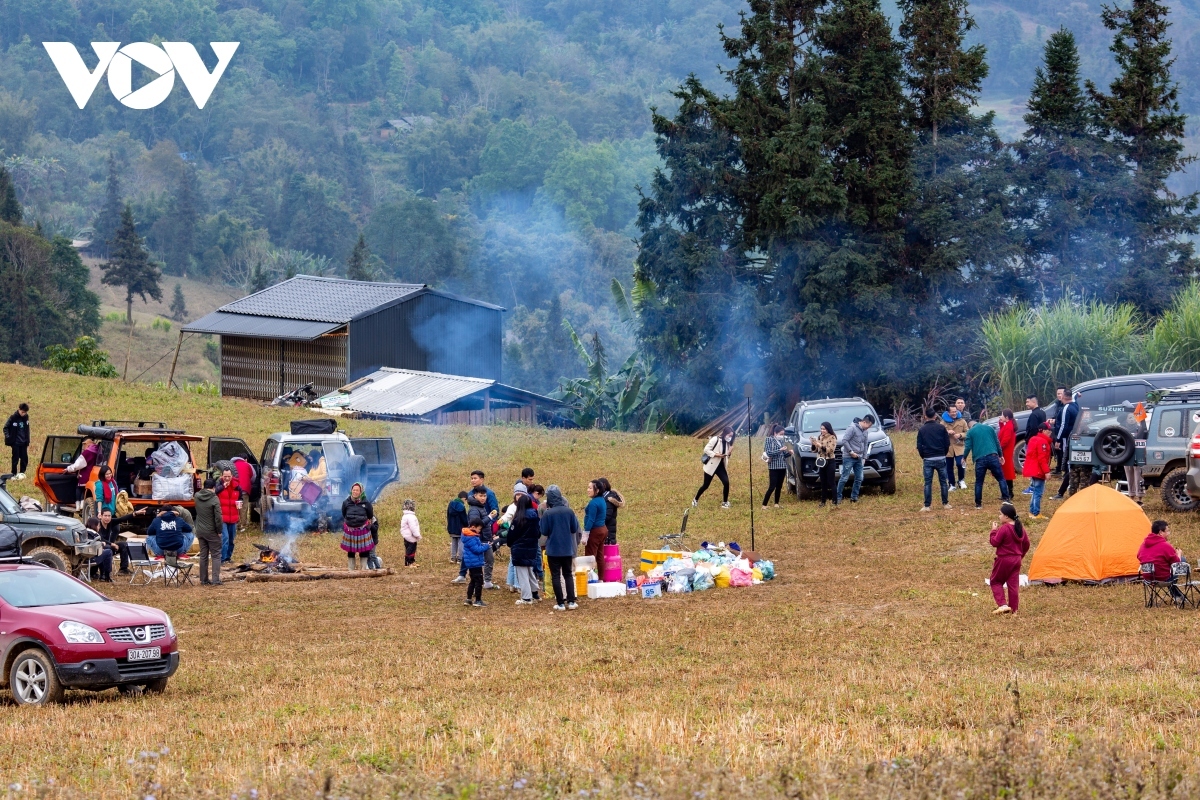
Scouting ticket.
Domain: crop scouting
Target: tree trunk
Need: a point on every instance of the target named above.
(129, 308)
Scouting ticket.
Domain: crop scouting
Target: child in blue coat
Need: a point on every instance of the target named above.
(473, 553)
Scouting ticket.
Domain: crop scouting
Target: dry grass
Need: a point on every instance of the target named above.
(870, 666)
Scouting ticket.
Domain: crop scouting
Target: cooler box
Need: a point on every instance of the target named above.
(597, 591)
(585, 562)
(610, 568)
(656, 558)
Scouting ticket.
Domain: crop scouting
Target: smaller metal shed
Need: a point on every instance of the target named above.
(411, 396)
(328, 331)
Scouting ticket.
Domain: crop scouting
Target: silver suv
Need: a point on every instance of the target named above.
(304, 477)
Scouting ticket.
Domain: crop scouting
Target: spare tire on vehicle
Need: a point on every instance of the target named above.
(1113, 446)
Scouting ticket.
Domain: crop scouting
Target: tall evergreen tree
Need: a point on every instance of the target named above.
(184, 219)
(259, 277)
(960, 248)
(1065, 175)
(129, 265)
(1141, 114)
(105, 225)
(10, 209)
(179, 309)
(358, 265)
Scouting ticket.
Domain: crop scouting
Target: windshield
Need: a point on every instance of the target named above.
(26, 588)
(7, 504)
(840, 417)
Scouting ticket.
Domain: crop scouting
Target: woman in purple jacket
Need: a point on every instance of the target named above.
(1011, 543)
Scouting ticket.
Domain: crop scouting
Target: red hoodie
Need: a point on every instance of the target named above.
(1037, 456)
(1158, 551)
(1005, 540)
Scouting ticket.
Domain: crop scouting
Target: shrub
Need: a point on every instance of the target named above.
(1036, 349)
(161, 324)
(1174, 343)
(85, 358)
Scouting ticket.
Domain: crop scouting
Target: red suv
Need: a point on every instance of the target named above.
(57, 632)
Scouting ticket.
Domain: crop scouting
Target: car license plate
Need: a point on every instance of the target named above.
(144, 654)
(1085, 457)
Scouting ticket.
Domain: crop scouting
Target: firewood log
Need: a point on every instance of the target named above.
(294, 577)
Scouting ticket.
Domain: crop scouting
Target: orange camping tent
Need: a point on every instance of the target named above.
(1094, 535)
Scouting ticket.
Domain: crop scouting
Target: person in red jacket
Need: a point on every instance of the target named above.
(1007, 433)
(1037, 468)
(246, 475)
(1158, 551)
(1011, 543)
(230, 495)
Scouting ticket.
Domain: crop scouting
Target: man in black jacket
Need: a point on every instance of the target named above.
(1037, 418)
(1066, 423)
(16, 436)
(1056, 413)
(933, 442)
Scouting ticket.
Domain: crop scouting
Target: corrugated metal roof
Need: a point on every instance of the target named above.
(404, 392)
(307, 297)
(224, 323)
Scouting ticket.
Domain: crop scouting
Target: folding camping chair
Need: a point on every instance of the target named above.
(1185, 590)
(176, 571)
(144, 568)
(1156, 592)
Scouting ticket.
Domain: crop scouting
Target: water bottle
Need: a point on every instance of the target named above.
(631, 586)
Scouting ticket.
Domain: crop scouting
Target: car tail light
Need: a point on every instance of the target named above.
(273, 479)
(1194, 446)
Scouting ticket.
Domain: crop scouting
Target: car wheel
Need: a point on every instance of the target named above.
(32, 679)
(157, 686)
(1113, 446)
(889, 486)
(48, 556)
(89, 508)
(1019, 456)
(131, 689)
(1174, 492)
(804, 491)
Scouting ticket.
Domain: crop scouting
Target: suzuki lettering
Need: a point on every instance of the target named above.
(165, 61)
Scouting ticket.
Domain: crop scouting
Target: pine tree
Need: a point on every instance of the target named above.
(358, 266)
(259, 278)
(10, 209)
(1065, 173)
(109, 218)
(179, 310)
(184, 219)
(944, 78)
(959, 242)
(129, 265)
(1141, 114)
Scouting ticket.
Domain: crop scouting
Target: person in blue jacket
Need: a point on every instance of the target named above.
(593, 520)
(560, 528)
(169, 532)
(473, 551)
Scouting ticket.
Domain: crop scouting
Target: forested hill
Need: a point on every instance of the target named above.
(491, 148)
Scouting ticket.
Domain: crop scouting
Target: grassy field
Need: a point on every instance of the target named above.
(870, 668)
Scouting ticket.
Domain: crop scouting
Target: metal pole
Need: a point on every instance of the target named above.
(749, 390)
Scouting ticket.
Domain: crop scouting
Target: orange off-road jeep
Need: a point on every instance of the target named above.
(123, 446)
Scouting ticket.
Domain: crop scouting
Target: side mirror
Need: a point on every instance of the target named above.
(790, 430)
(888, 424)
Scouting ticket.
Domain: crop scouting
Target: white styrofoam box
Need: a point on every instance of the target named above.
(602, 590)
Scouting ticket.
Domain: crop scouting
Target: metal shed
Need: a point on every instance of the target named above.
(414, 396)
(331, 331)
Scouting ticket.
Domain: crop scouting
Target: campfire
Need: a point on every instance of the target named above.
(270, 562)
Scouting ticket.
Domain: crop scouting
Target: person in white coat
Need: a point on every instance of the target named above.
(716, 452)
(410, 531)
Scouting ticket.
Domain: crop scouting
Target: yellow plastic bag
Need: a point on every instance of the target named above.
(722, 578)
(756, 573)
(123, 505)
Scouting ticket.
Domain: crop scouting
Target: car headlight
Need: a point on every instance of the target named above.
(806, 447)
(170, 627)
(78, 633)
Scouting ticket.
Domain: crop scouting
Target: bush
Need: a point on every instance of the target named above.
(1174, 343)
(161, 324)
(1037, 349)
(85, 358)
(114, 316)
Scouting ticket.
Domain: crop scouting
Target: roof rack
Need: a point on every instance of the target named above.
(126, 423)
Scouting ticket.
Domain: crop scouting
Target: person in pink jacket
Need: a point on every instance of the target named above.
(1011, 543)
(410, 531)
